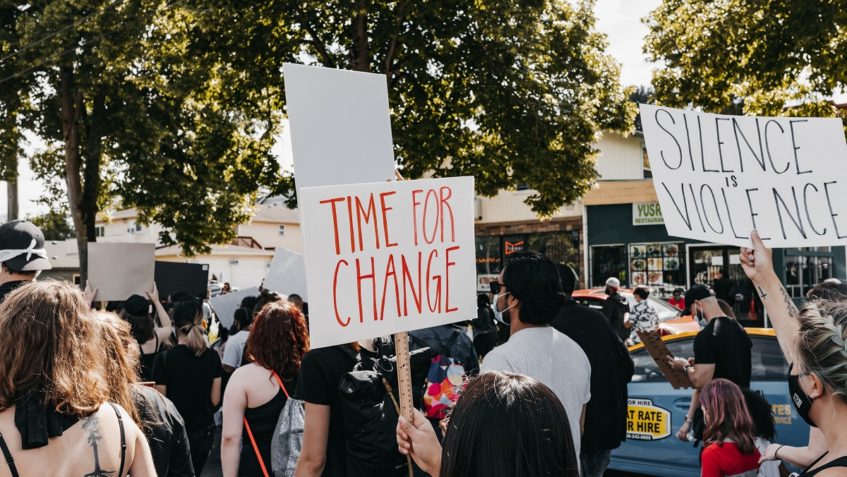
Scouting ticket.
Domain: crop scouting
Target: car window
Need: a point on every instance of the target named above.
(646, 370)
(663, 309)
(768, 361)
(593, 303)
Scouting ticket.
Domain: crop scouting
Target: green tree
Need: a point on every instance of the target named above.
(54, 225)
(509, 92)
(738, 56)
(130, 117)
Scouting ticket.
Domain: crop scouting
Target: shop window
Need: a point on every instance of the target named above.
(608, 261)
(648, 174)
(657, 264)
(488, 255)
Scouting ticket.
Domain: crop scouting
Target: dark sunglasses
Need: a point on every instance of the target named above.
(495, 287)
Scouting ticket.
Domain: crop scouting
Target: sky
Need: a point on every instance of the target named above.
(620, 20)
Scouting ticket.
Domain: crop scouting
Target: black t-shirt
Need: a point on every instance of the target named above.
(724, 343)
(320, 373)
(9, 287)
(188, 378)
(611, 370)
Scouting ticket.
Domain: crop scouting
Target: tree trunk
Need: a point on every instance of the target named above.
(12, 195)
(91, 168)
(360, 37)
(70, 97)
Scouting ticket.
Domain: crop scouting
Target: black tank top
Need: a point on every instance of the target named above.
(147, 360)
(839, 462)
(262, 420)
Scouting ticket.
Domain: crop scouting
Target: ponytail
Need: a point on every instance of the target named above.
(188, 318)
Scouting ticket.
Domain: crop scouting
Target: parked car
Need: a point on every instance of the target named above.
(670, 320)
(656, 410)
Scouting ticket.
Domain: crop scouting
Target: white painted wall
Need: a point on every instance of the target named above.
(509, 206)
(267, 234)
(119, 231)
(620, 158)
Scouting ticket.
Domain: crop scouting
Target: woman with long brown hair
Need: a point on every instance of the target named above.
(155, 414)
(189, 374)
(55, 415)
(257, 392)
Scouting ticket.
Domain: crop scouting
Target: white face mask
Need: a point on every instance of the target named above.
(498, 314)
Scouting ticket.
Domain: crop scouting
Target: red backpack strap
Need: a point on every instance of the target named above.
(256, 448)
(279, 380)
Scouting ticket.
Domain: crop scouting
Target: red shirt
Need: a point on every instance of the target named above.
(679, 304)
(726, 460)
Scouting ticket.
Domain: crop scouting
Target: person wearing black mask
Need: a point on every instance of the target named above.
(22, 255)
(611, 370)
(814, 341)
(615, 308)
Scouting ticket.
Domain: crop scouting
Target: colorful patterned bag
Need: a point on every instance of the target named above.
(444, 384)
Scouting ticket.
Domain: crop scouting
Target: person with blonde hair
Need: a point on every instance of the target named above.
(155, 414)
(814, 341)
(56, 417)
(189, 374)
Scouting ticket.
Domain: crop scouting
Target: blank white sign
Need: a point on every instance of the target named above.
(118, 270)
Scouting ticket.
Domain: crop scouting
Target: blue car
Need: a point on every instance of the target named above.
(656, 410)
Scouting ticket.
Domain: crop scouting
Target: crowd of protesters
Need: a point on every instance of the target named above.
(538, 387)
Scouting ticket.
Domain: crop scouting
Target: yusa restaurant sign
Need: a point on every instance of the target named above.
(647, 213)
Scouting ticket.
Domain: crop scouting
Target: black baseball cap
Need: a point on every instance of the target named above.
(697, 292)
(22, 247)
(137, 305)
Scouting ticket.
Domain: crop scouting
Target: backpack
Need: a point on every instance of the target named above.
(445, 381)
(287, 441)
(370, 406)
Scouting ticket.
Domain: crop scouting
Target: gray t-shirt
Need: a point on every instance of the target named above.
(552, 358)
(234, 349)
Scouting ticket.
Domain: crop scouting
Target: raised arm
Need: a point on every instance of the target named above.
(167, 327)
(758, 265)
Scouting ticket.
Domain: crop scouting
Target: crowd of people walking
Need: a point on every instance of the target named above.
(138, 392)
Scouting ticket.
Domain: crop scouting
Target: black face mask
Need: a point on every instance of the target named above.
(802, 401)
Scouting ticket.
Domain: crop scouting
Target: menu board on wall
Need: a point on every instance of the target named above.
(654, 263)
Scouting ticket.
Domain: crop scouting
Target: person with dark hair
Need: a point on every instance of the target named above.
(677, 300)
(729, 437)
(616, 308)
(22, 255)
(239, 332)
(257, 392)
(484, 327)
(724, 287)
(296, 300)
(644, 317)
(150, 338)
(611, 369)
(530, 291)
(496, 411)
(189, 374)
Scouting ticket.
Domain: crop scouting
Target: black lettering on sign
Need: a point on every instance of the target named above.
(729, 216)
(829, 205)
(808, 215)
(739, 134)
(796, 219)
(768, 146)
(702, 149)
(720, 143)
(679, 148)
(706, 212)
(795, 146)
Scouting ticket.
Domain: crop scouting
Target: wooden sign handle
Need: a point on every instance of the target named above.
(404, 374)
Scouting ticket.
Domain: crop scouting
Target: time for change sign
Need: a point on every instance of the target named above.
(388, 257)
(718, 177)
(646, 422)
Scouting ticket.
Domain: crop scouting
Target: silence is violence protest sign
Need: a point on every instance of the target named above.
(718, 177)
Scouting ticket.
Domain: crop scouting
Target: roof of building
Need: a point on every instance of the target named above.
(63, 254)
(276, 214)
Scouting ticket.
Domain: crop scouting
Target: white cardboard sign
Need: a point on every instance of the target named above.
(287, 274)
(225, 305)
(118, 270)
(388, 257)
(338, 114)
(718, 177)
